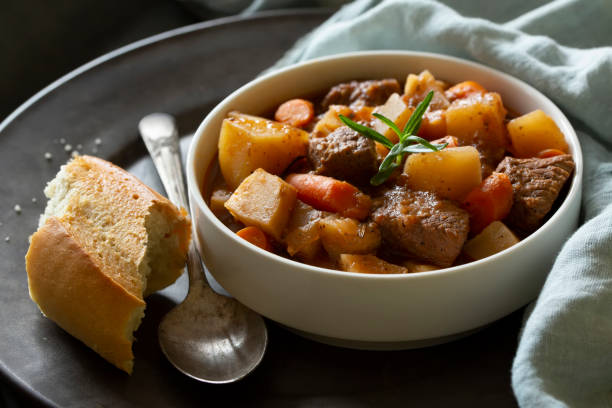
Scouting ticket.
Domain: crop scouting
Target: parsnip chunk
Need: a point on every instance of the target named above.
(368, 264)
(249, 142)
(493, 239)
(263, 200)
(330, 121)
(451, 172)
(534, 132)
(397, 111)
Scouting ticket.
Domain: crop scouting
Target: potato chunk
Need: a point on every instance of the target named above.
(302, 233)
(249, 142)
(330, 121)
(397, 111)
(493, 239)
(477, 116)
(368, 264)
(341, 235)
(451, 172)
(534, 132)
(414, 266)
(263, 200)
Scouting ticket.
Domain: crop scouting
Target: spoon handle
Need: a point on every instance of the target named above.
(160, 135)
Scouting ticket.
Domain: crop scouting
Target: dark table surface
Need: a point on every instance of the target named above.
(40, 41)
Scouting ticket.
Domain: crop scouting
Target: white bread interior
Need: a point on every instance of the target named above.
(104, 242)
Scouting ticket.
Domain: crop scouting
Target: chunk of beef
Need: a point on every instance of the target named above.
(369, 93)
(421, 225)
(343, 154)
(536, 183)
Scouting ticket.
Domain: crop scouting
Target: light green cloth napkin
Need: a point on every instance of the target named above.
(562, 48)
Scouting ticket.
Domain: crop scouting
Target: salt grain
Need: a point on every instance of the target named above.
(75, 153)
(68, 147)
(48, 156)
(17, 208)
(98, 141)
(62, 140)
(94, 150)
(7, 239)
(34, 199)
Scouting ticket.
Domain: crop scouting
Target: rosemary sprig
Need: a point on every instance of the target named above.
(408, 141)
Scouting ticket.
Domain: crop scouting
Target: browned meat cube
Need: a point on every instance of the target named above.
(368, 93)
(421, 225)
(536, 183)
(343, 154)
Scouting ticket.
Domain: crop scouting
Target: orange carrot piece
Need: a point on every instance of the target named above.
(328, 194)
(451, 140)
(295, 112)
(489, 202)
(550, 153)
(255, 236)
(463, 89)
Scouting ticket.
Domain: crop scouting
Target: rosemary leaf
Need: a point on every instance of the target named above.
(366, 131)
(389, 123)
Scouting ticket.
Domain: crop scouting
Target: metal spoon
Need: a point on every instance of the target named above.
(209, 337)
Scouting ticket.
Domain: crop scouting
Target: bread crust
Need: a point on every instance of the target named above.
(93, 292)
(72, 290)
(147, 198)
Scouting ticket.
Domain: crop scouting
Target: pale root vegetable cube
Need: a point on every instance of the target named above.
(418, 86)
(433, 125)
(368, 264)
(341, 235)
(330, 121)
(493, 239)
(263, 200)
(475, 117)
(451, 172)
(218, 199)
(397, 111)
(302, 233)
(248, 142)
(413, 267)
(534, 132)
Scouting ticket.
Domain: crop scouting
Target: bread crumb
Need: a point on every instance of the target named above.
(48, 156)
(68, 147)
(75, 153)
(17, 208)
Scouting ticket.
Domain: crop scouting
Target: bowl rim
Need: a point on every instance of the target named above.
(572, 193)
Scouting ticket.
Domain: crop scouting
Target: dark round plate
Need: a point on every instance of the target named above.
(186, 72)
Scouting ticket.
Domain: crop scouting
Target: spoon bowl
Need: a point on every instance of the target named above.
(208, 337)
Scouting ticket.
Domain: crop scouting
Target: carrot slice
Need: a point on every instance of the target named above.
(463, 89)
(489, 202)
(255, 236)
(550, 153)
(328, 194)
(295, 112)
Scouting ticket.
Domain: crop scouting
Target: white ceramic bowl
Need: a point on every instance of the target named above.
(376, 311)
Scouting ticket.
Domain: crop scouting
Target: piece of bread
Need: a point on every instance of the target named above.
(104, 242)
